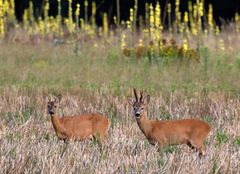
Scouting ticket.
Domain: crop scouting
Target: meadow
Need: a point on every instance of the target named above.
(95, 72)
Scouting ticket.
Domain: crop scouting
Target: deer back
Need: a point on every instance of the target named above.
(85, 126)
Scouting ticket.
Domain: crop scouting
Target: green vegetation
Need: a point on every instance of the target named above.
(221, 137)
(189, 71)
(57, 69)
(237, 142)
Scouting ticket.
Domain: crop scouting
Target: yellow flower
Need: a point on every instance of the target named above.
(186, 17)
(77, 10)
(105, 25)
(131, 15)
(115, 20)
(140, 49)
(195, 11)
(151, 20)
(221, 45)
(185, 45)
(123, 42)
(210, 17)
(94, 8)
(217, 30)
(1, 18)
(85, 3)
(157, 15)
(200, 9)
(82, 24)
(169, 8)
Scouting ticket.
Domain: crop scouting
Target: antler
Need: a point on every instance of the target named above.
(141, 96)
(135, 94)
(50, 98)
(57, 98)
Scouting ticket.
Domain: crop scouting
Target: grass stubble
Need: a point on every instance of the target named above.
(29, 144)
(98, 79)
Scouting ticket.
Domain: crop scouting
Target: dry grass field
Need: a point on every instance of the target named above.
(29, 144)
(99, 79)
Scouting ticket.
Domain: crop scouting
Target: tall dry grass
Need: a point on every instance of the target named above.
(29, 144)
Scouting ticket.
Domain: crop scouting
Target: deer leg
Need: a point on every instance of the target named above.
(101, 136)
(101, 133)
(202, 150)
(98, 137)
(190, 145)
(200, 147)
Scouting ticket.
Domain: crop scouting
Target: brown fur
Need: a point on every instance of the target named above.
(78, 127)
(186, 131)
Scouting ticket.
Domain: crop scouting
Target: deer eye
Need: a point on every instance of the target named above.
(55, 106)
(142, 108)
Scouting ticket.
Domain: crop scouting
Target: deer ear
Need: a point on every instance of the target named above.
(59, 97)
(46, 99)
(146, 99)
(130, 100)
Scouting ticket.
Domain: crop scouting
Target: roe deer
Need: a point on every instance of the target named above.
(186, 131)
(77, 127)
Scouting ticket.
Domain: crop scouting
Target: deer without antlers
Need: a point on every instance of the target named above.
(77, 127)
(186, 131)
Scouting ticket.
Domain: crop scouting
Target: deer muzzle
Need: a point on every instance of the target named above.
(137, 114)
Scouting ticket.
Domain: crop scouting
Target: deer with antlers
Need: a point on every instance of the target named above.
(191, 132)
(77, 127)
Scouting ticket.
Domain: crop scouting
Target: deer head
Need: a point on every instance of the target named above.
(53, 104)
(139, 104)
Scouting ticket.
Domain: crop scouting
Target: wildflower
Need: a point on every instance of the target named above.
(123, 41)
(185, 45)
(105, 24)
(140, 49)
(210, 17)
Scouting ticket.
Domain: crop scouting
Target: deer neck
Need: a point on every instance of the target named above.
(144, 125)
(57, 124)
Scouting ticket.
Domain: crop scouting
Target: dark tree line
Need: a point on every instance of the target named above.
(222, 9)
